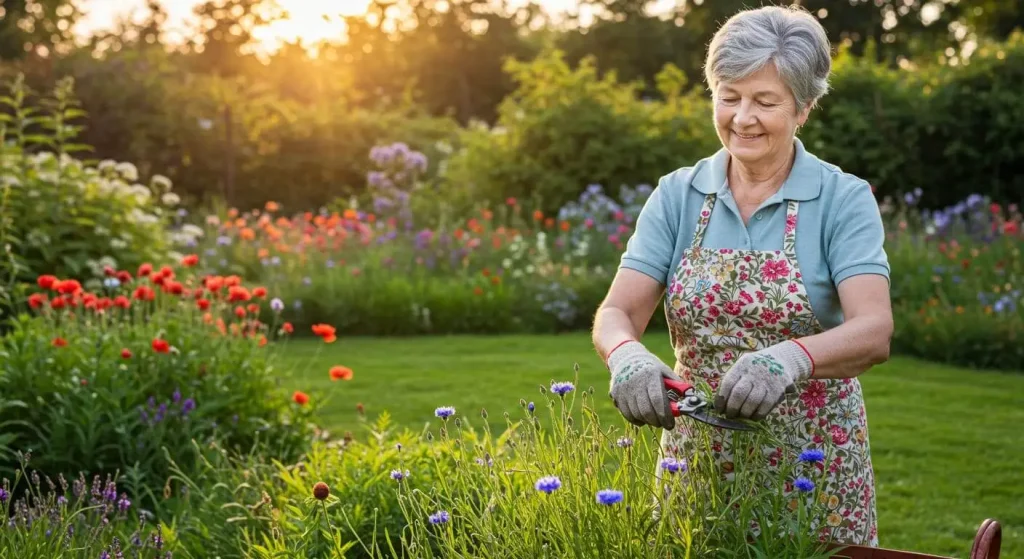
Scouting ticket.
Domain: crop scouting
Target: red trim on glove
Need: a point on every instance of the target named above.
(620, 344)
(809, 356)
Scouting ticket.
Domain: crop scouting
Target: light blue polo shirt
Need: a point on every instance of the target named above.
(839, 231)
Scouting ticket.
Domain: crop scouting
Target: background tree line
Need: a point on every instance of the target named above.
(220, 120)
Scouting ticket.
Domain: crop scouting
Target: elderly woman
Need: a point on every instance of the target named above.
(772, 267)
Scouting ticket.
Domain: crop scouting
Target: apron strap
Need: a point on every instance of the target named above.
(789, 239)
(703, 219)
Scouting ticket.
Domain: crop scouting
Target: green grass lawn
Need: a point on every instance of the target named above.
(947, 443)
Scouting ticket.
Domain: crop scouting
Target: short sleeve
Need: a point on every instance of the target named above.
(650, 248)
(857, 243)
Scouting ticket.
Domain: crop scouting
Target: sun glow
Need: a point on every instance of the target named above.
(308, 21)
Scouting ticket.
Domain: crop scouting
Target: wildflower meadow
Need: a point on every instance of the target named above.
(405, 369)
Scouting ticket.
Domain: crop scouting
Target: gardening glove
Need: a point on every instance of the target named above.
(759, 381)
(637, 388)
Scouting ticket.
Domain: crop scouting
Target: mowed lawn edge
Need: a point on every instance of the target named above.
(947, 443)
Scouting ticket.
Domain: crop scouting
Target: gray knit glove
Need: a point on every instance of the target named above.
(637, 387)
(759, 381)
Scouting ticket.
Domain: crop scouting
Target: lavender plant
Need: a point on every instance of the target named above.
(62, 520)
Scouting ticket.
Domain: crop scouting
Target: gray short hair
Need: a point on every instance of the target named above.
(792, 38)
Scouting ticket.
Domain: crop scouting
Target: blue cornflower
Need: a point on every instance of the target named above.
(609, 496)
(531, 407)
(276, 305)
(439, 517)
(812, 455)
(4, 495)
(562, 388)
(548, 484)
(399, 475)
(624, 442)
(672, 465)
(444, 412)
(804, 484)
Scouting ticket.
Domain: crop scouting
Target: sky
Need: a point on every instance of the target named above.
(306, 17)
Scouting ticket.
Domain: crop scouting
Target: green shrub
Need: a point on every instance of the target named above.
(105, 381)
(65, 216)
(563, 129)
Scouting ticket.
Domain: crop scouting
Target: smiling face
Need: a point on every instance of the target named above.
(756, 118)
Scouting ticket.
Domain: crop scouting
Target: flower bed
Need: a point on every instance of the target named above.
(155, 365)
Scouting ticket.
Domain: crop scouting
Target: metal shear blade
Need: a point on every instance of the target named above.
(685, 401)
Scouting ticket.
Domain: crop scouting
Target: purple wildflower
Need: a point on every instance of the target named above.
(562, 388)
(531, 407)
(187, 406)
(444, 412)
(609, 496)
(399, 475)
(624, 442)
(812, 455)
(276, 305)
(672, 465)
(123, 504)
(4, 495)
(804, 484)
(439, 517)
(548, 484)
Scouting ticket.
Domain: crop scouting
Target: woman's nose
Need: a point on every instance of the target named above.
(744, 115)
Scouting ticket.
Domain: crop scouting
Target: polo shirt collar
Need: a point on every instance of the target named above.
(803, 182)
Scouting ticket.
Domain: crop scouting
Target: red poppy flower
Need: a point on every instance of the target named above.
(58, 303)
(145, 270)
(122, 301)
(68, 287)
(238, 293)
(190, 260)
(175, 288)
(339, 372)
(36, 300)
(287, 328)
(203, 304)
(144, 293)
(46, 281)
(59, 342)
(240, 312)
(260, 292)
(325, 331)
(300, 398)
(126, 353)
(253, 308)
(124, 277)
(161, 346)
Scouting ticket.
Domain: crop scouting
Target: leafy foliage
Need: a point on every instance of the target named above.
(105, 382)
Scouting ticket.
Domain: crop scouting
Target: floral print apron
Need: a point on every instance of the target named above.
(721, 303)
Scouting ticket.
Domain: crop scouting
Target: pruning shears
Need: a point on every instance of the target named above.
(684, 400)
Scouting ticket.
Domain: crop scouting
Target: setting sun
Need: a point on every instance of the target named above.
(308, 21)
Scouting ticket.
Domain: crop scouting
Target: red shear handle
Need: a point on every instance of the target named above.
(678, 386)
(674, 406)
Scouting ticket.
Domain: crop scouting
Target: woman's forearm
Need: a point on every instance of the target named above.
(851, 348)
(612, 326)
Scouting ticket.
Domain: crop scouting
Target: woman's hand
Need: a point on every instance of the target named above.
(637, 385)
(758, 381)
